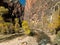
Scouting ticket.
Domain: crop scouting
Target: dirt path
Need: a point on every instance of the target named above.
(21, 41)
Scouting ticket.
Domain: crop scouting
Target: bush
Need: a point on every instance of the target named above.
(26, 27)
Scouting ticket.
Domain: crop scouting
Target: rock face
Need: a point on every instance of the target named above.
(38, 12)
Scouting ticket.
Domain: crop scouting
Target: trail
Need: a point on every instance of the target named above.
(24, 40)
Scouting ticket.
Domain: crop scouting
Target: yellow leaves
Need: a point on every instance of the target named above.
(55, 23)
(25, 24)
(4, 27)
(3, 9)
(25, 27)
(1, 26)
(17, 26)
(55, 20)
(27, 31)
(16, 20)
(1, 19)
